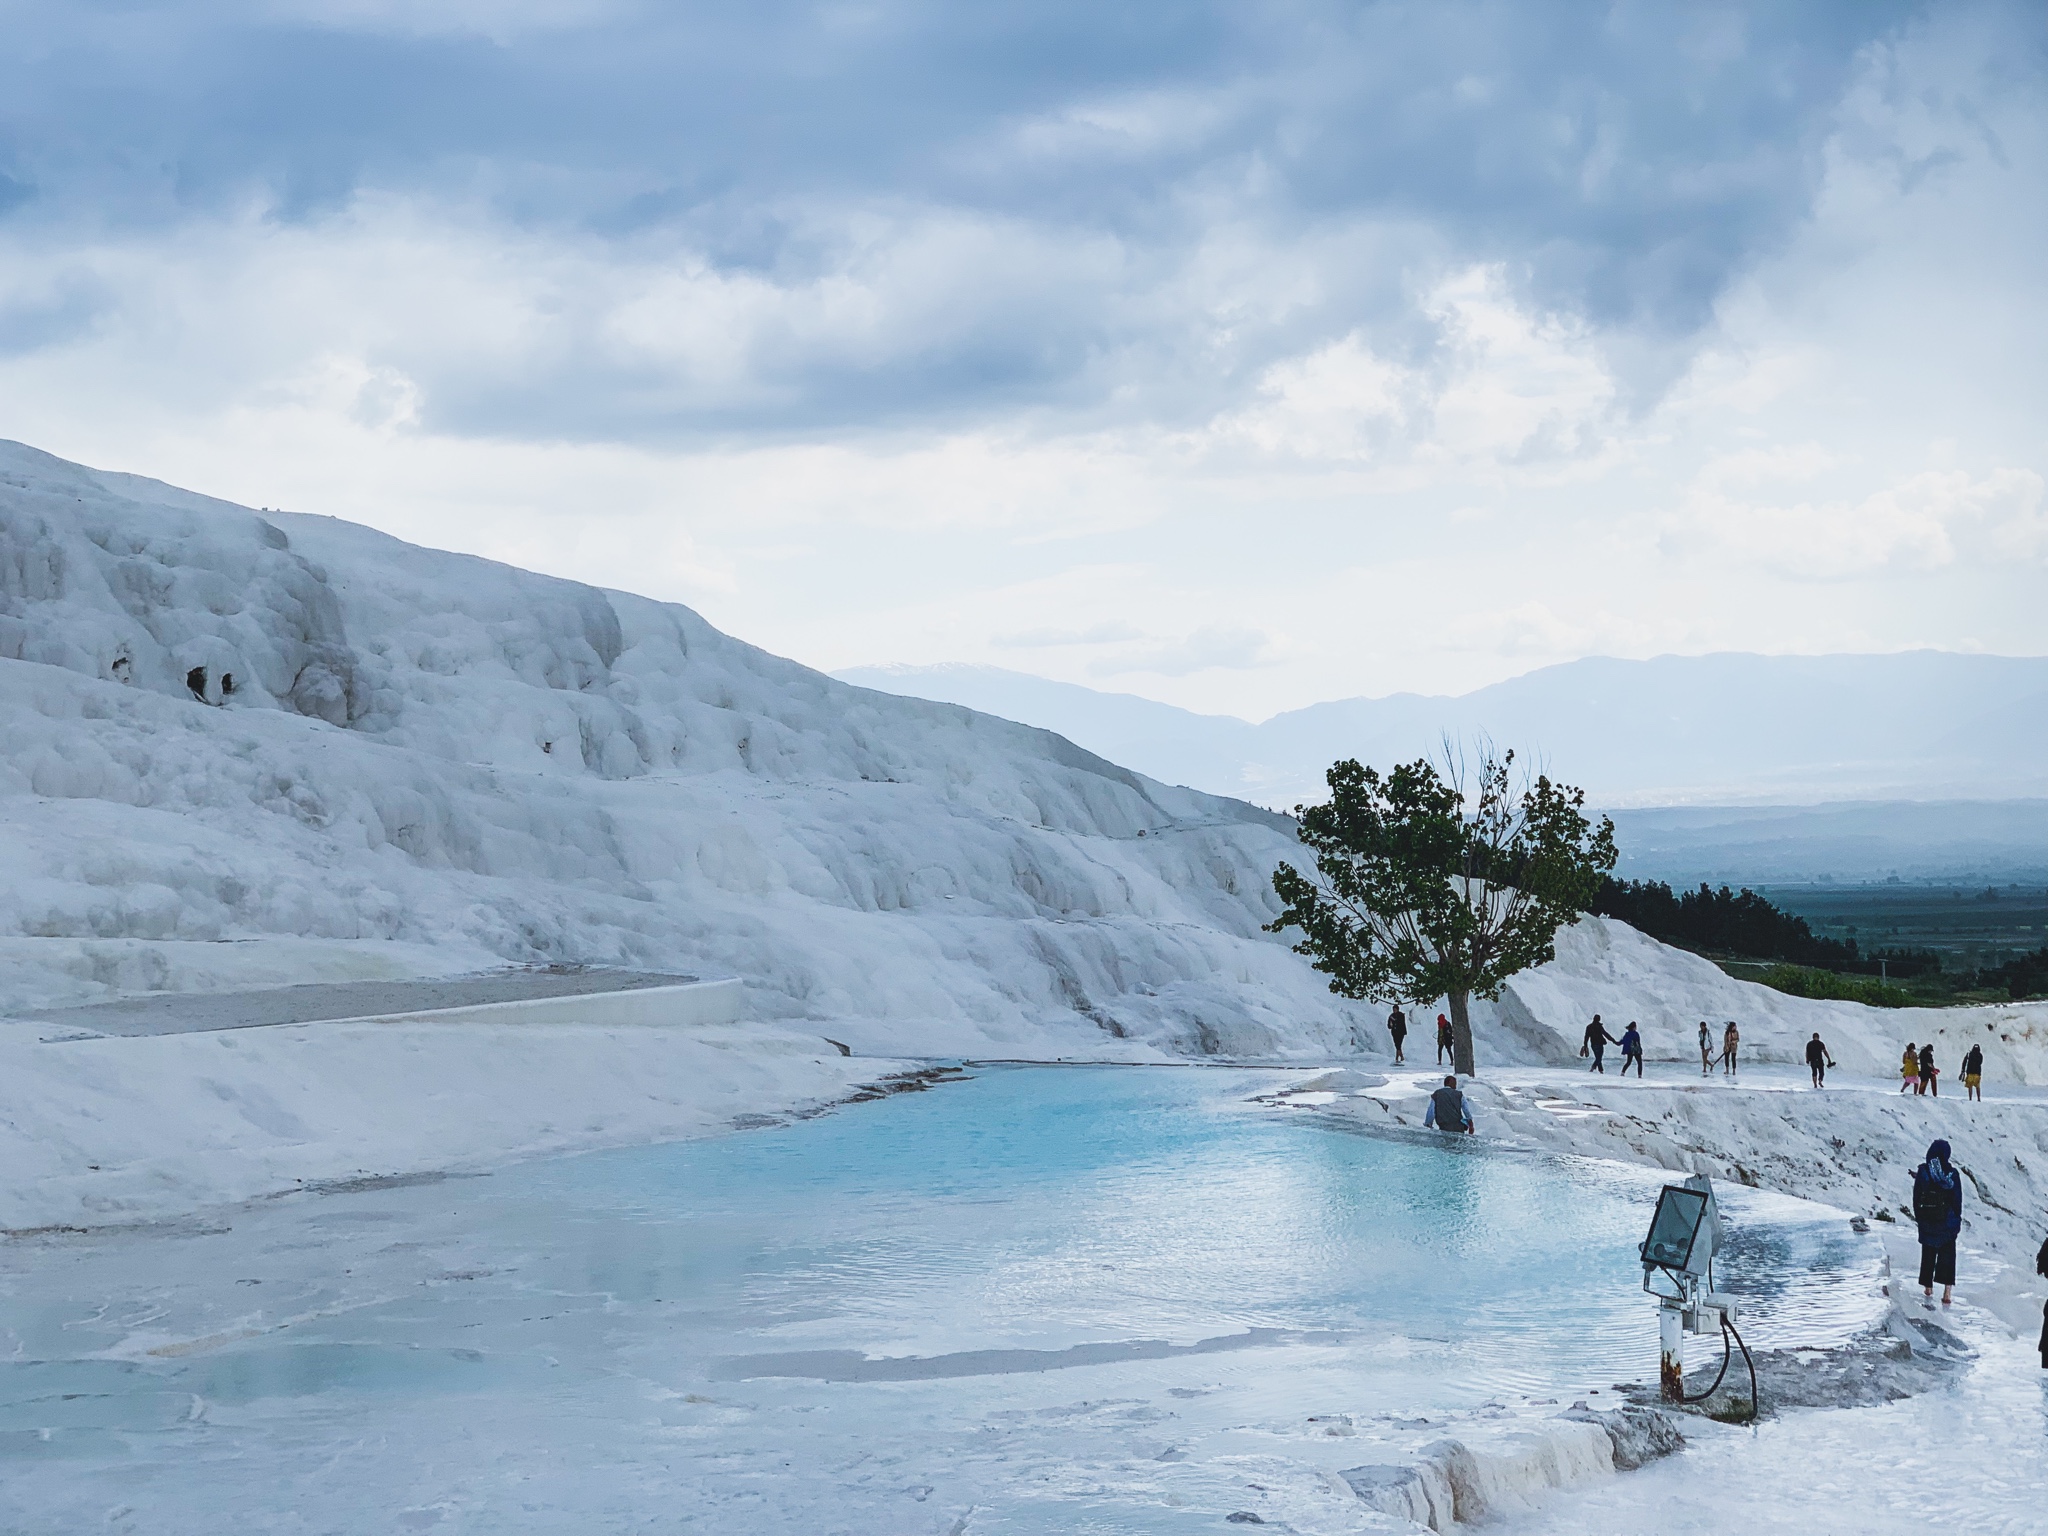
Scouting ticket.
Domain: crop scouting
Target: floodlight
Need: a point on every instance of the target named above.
(1676, 1229)
(1678, 1269)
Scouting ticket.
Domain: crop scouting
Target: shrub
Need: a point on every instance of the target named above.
(1805, 981)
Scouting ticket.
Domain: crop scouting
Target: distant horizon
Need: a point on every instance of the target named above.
(915, 668)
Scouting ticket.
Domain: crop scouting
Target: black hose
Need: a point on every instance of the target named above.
(1728, 1332)
(1756, 1406)
(1727, 1354)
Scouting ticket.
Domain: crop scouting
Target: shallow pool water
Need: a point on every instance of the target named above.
(1052, 1299)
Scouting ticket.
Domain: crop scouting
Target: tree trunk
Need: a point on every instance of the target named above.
(1461, 1034)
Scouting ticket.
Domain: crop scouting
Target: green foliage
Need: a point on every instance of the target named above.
(2026, 976)
(1423, 890)
(1806, 981)
(1744, 923)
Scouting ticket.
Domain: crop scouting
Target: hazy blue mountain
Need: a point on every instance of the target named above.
(1722, 737)
(1672, 730)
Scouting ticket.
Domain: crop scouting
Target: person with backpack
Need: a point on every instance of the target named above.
(1973, 1073)
(1731, 1037)
(1397, 1026)
(1446, 1040)
(1632, 1050)
(1706, 1050)
(1930, 1074)
(1818, 1060)
(1595, 1044)
(1448, 1110)
(1938, 1211)
(1909, 1069)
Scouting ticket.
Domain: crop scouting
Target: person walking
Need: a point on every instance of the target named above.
(1930, 1074)
(1973, 1073)
(1938, 1211)
(1595, 1044)
(1446, 1041)
(1818, 1060)
(1731, 1037)
(1632, 1050)
(1397, 1026)
(1909, 1069)
(1706, 1050)
(2041, 1268)
(1448, 1110)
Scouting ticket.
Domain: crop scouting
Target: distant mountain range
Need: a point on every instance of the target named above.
(1703, 733)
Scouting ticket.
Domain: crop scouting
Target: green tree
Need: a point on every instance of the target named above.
(1423, 888)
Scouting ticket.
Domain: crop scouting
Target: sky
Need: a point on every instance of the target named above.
(1239, 355)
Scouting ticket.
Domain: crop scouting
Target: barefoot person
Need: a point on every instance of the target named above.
(1706, 1050)
(1397, 1026)
(2041, 1268)
(1632, 1050)
(1595, 1044)
(1818, 1060)
(1448, 1110)
(1930, 1074)
(1731, 1037)
(1446, 1042)
(1938, 1210)
(1909, 1069)
(1973, 1073)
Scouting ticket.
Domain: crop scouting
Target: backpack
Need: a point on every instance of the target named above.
(1930, 1200)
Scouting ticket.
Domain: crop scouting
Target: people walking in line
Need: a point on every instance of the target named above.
(1448, 1110)
(1731, 1037)
(1909, 1069)
(1397, 1026)
(1632, 1050)
(1706, 1050)
(1973, 1073)
(1818, 1060)
(1446, 1041)
(1930, 1074)
(1595, 1044)
(1938, 1211)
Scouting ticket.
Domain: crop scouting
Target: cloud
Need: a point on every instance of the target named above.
(1213, 647)
(789, 218)
(1922, 523)
(1109, 633)
(1306, 350)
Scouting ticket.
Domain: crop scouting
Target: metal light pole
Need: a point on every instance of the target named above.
(1678, 1258)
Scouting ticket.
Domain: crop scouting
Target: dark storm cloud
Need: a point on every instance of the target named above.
(1622, 162)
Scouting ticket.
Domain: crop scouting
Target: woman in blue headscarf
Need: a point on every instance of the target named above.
(1938, 1208)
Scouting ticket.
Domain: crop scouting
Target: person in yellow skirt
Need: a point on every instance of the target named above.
(1973, 1072)
(1909, 1069)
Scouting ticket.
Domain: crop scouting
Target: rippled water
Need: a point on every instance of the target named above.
(1004, 1302)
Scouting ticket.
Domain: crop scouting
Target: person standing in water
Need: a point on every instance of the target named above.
(1909, 1069)
(1938, 1211)
(1731, 1037)
(1397, 1026)
(1632, 1050)
(1448, 1110)
(1595, 1044)
(1973, 1073)
(1446, 1041)
(1930, 1074)
(1706, 1050)
(1818, 1060)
